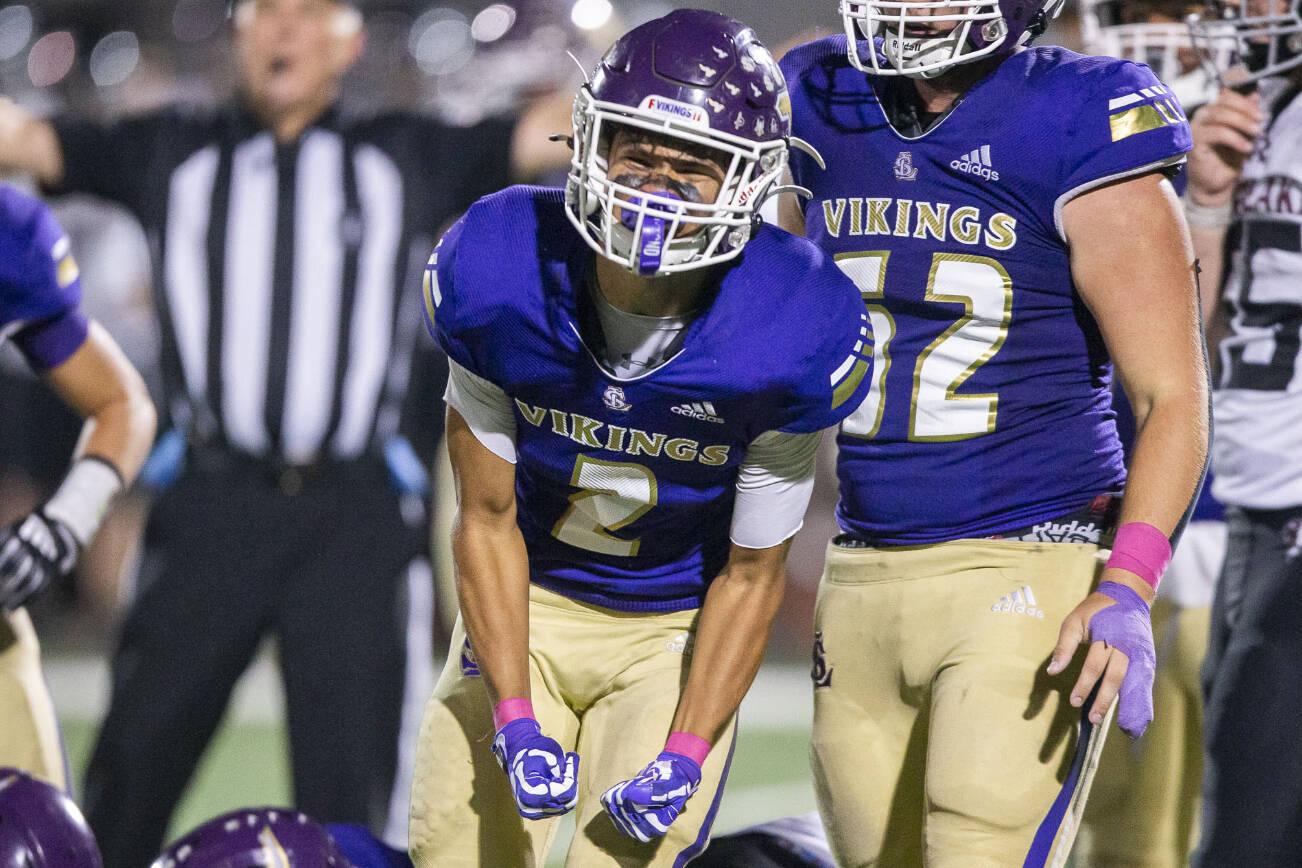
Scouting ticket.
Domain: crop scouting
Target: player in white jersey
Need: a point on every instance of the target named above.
(1152, 32)
(1244, 204)
(1143, 808)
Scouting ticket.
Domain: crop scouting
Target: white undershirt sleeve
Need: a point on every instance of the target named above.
(486, 409)
(773, 488)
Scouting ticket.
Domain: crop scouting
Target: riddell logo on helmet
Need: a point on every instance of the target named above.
(693, 114)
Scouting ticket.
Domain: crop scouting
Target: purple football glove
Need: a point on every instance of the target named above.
(644, 807)
(544, 778)
(1128, 628)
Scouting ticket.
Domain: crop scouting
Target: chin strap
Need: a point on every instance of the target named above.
(1039, 24)
(801, 145)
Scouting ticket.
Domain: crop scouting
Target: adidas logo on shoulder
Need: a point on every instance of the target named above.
(1020, 602)
(702, 410)
(976, 163)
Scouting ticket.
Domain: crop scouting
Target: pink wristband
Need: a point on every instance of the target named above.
(691, 746)
(1143, 550)
(511, 709)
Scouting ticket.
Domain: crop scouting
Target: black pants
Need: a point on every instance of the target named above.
(1252, 683)
(234, 552)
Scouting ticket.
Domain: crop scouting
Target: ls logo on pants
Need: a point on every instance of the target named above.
(821, 673)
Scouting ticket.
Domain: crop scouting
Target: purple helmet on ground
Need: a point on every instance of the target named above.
(696, 79)
(976, 29)
(40, 827)
(256, 838)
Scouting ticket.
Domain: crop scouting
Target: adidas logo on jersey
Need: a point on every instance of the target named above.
(976, 163)
(702, 410)
(1021, 602)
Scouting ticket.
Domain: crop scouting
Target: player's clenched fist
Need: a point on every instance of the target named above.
(33, 552)
(544, 778)
(1224, 133)
(644, 807)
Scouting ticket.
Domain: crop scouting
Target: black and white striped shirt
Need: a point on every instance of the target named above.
(283, 272)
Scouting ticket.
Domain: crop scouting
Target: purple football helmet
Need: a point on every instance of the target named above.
(1263, 35)
(256, 838)
(693, 78)
(979, 28)
(40, 827)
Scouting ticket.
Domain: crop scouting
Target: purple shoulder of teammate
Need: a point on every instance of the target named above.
(39, 285)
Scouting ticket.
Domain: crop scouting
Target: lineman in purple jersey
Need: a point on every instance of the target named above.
(39, 294)
(1006, 213)
(632, 435)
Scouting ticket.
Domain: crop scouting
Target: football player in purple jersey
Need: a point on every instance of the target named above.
(1244, 204)
(640, 371)
(39, 295)
(1007, 214)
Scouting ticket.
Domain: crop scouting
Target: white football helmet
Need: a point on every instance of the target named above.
(899, 45)
(1263, 35)
(1152, 32)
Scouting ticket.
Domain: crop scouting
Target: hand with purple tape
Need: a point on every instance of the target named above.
(1115, 621)
(1128, 628)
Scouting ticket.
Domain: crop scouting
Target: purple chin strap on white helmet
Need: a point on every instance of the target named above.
(692, 80)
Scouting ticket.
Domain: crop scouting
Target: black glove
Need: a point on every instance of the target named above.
(33, 552)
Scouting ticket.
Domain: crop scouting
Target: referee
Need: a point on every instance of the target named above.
(283, 237)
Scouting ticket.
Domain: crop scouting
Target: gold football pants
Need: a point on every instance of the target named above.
(603, 683)
(29, 731)
(939, 739)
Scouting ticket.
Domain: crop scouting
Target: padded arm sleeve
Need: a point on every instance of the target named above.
(773, 488)
(486, 409)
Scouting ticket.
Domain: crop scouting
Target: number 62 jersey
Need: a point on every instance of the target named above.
(625, 486)
(989, 408)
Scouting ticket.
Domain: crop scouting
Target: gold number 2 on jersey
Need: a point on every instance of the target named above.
(612, 494)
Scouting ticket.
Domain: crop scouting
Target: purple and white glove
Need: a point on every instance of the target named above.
(544, 777)
(644, 807)
(1127, 627)
(34, 551)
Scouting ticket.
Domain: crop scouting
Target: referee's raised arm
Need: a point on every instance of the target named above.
(287, 241)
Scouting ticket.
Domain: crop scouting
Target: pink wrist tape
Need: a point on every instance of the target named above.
(1143, 550)
(511, 709)
(691, 746)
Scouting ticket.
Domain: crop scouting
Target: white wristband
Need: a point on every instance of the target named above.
(1206, 216)
(83, 498)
